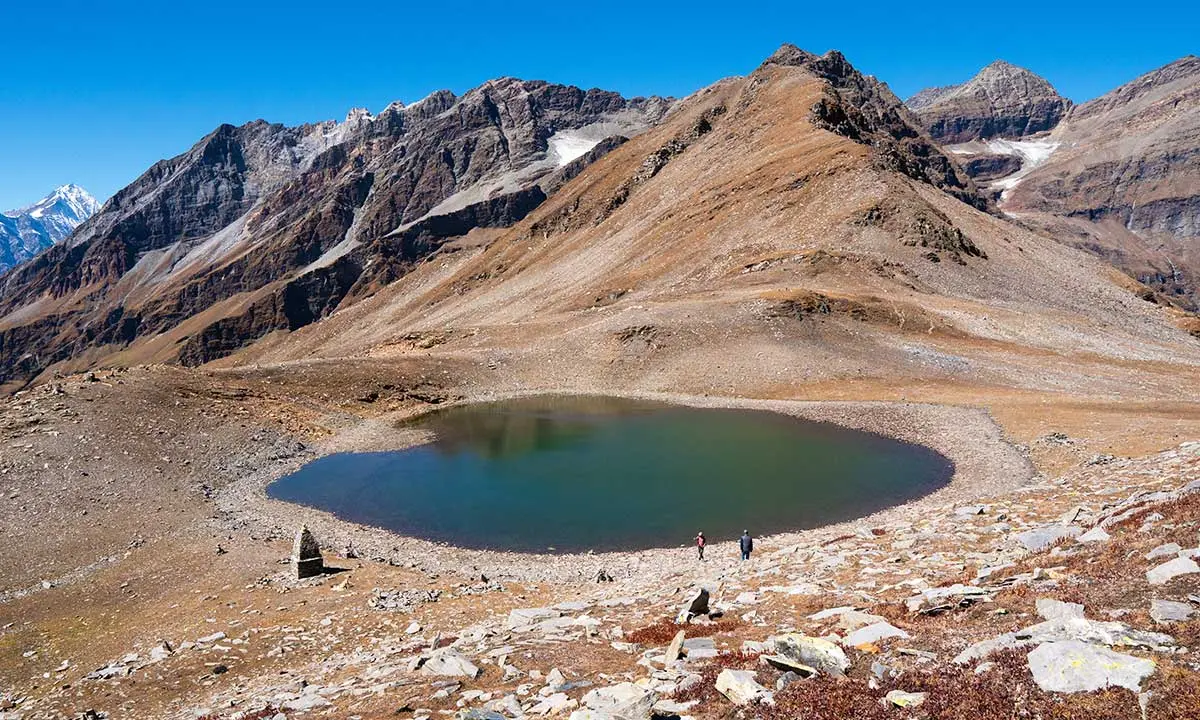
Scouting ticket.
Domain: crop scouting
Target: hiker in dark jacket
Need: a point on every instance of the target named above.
(747, 543)
(700, 543)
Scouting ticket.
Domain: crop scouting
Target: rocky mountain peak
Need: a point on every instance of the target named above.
(1002, 100)
(27, 231)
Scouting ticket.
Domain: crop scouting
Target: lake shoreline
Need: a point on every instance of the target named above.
(985, 463)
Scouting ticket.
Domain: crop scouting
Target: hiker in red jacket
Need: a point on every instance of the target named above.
(700, 544)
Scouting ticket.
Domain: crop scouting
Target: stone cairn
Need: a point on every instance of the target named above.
(306, 555)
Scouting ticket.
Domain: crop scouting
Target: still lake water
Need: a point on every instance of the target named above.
(585, 473)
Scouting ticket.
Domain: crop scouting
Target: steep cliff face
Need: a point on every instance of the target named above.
(266, 216)
(1125, 179)
(1002, 101)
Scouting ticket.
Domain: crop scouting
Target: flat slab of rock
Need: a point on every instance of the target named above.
(1096, 534)
(902, 699)
(872, 634)
(1169, 611)
(448, 662)
(1072, 666)
(1170, 570)
(813, 652)
(526, 618)
(624, 701)
(1164, 550)
(1051, 609)
(1089, 631)
(741, 687)
(1039, 539)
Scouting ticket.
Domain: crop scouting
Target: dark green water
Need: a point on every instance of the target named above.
(583, 473)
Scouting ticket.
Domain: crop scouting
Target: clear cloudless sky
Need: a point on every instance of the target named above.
(95, 91)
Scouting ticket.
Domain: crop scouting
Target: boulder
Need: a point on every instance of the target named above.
(1071, 666)
(1164, 550)
(1039, 539)
(1169, 611)
(741, 687)
(872, 634)
(695, 607)
(789, 666)
(448, 662)
(812, 652)
(1051, 609)
(624, 701)
(1096, 534)
(674, 648)
(1089, 631)
(526, 618)
(306, 555)
(1171, 569)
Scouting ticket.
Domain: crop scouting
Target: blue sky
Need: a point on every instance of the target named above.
(95, 92)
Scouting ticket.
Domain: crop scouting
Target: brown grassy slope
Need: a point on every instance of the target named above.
(681, 278)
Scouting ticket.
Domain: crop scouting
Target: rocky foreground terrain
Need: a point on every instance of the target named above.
(1052, 579)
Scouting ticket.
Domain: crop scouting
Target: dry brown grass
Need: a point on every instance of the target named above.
(661, 632)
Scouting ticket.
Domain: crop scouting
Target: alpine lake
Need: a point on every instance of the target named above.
(581, 473)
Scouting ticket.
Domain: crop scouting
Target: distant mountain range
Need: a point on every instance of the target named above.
(523, 200)
(1118, 176)
(27, 231)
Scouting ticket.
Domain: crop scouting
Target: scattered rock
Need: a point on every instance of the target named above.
(1096, 534)
(1165, 550)
(901, 699)
(1171, 569)
(1050, 609)
(1039, 539)
(674, 648)
(624, 701)
(1071, 666)
(812, 652)
(741, 687)
(695, 607)
(872, 634)
(448, 662)
(1090, 631)
(1169, 611)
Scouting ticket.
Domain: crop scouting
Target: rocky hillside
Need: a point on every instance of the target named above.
(1002, 101)
(264, 227)
(30, 230)
(1124, 181)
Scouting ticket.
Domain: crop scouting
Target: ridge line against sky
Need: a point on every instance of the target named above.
(95, 93)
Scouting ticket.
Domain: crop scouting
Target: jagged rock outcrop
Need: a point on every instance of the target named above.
(265, 227)
(1003, 100)
(867, 111)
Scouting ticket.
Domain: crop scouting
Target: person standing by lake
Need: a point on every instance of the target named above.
(747, 544)
(700, 542)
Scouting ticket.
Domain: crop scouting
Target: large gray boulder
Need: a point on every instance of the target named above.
(448, 662)
(741, 687)
(624, 701)
(1071, 666)
(1039, 539)
(1169, 611)
(695, 607)
(1171, 569)
(1089, 631)
(804, 651)
(872, 634)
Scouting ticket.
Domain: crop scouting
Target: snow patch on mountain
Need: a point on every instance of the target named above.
(566, 146)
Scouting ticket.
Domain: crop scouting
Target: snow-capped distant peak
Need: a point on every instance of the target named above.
(70, 201)
(50, 220)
